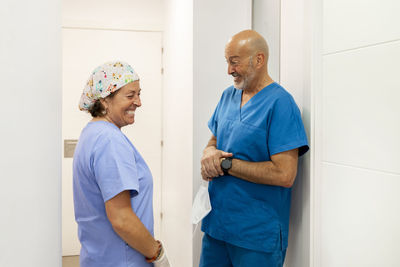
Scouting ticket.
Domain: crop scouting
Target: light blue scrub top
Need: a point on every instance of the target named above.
(105, 164)
(246, 214)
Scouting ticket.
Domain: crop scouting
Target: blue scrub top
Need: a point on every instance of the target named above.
(246, 214)
(105, 164)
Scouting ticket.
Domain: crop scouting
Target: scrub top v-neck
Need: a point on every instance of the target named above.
(246, 214)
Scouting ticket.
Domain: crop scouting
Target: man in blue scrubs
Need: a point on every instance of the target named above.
(251, 162)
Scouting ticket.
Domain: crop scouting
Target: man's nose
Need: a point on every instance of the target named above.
(230, 69)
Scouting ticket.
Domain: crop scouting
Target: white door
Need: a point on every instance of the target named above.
(83, 50)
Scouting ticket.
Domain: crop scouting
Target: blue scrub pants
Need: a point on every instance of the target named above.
(216, 253)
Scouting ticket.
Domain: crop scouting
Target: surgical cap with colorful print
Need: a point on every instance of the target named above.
(104, 80)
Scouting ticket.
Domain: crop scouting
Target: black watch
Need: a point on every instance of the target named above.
(226, 165)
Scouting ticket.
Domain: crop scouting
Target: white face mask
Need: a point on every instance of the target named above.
(201, 205)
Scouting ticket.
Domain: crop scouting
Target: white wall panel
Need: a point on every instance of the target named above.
(292, 69)
(30, 133)
(356, 23)
(178, 132)
(360, 217)
(267, 21)
(361, 124)
(356, 128)
(118, 14)
(294, 62)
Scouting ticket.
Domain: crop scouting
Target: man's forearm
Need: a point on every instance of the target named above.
(259, 172)
(211, 143)
(280, 171)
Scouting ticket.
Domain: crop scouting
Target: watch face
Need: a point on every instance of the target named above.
(226, 164)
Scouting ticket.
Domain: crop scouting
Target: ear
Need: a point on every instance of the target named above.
(260, 59)
(104, 102)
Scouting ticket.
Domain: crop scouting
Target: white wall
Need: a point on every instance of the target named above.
(357, 133)
(266, 20)
(212, 30)
(294, 64)
(178, 131)
(118, 14)
(30, 163)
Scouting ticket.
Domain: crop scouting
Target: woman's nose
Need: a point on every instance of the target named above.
(137, 102)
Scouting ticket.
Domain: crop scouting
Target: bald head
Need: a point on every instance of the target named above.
(247, 56)
(249, 42)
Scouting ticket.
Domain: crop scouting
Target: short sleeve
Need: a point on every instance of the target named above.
(213, 122)
(286, 131)
(115, 169)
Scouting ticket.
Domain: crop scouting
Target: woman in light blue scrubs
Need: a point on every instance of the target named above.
(113, 186)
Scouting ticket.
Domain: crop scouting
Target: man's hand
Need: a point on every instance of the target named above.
(211, 162)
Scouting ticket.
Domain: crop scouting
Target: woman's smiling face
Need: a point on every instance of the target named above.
(122, 106)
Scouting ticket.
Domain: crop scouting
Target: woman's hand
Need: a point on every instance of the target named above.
(162, 260)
